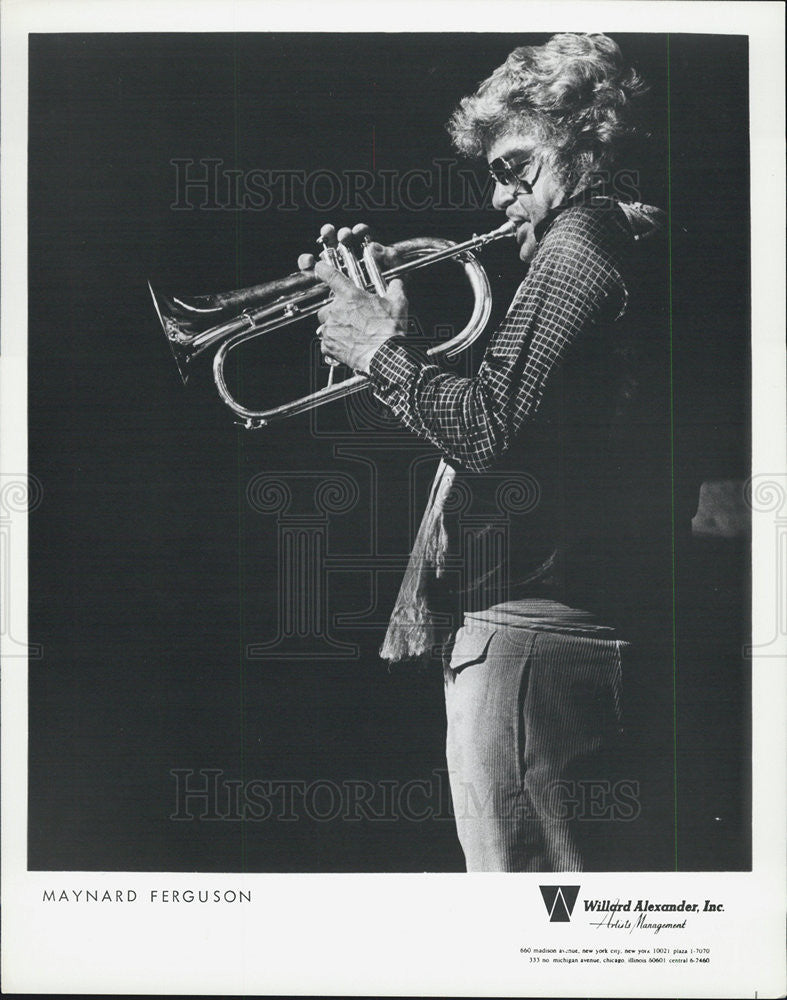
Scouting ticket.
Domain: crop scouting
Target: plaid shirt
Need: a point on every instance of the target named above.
(574, 281)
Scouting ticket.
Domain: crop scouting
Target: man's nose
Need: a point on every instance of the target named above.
(502, 196)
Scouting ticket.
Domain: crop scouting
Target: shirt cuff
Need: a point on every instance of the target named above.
(393, 366)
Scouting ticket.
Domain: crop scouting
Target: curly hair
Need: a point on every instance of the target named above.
(573, 93)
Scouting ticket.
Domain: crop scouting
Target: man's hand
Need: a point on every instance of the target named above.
(356, 322)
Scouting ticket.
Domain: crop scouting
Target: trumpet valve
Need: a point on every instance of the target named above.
(328, 253)
(333, 365)
(351, 266)
(375, 276)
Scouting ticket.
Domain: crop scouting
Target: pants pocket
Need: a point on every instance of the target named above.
(471, 645)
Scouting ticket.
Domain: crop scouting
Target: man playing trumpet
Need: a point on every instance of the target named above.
(571, 391)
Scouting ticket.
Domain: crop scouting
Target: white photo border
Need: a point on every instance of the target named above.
(399, 934)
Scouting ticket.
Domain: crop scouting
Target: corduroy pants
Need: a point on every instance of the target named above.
(531, 715)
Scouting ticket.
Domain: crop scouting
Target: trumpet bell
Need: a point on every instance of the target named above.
(191, 324)
(176, 318)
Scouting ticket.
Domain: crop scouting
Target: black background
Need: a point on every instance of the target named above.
(150, 573)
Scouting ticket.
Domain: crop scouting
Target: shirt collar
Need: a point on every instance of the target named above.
(593, 195)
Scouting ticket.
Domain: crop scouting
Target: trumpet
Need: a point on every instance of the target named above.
(193, 325)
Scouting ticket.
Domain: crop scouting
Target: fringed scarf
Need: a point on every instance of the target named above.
(411, 630)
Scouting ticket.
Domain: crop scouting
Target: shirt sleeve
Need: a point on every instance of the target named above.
(573, 283)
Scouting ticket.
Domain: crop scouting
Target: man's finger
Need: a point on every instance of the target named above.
(378, 250)
(395, 294)
(333, 278)
(306, 262)
(385, 256)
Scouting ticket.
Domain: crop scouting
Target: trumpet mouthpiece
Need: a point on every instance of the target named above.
(507, 229)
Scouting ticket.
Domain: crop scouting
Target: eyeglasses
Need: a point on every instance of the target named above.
(510, 174)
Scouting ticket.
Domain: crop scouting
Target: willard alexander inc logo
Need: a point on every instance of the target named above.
(559, 901)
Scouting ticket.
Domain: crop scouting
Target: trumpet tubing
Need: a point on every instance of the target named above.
(228, 319)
